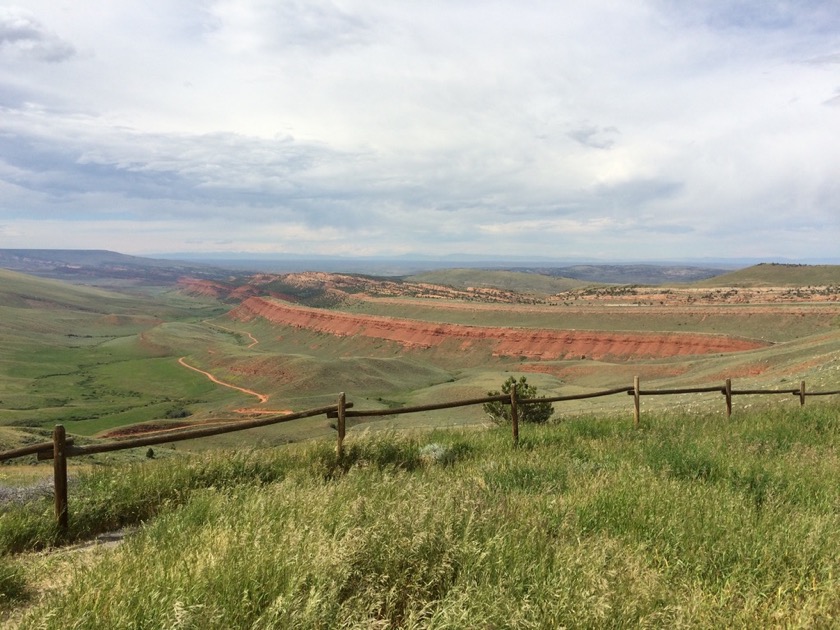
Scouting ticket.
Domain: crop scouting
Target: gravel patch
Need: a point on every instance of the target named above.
(18, 495)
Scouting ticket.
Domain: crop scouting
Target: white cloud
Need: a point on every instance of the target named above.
(24, 36)
(426, 126)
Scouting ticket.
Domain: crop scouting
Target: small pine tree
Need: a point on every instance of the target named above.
(536, 413)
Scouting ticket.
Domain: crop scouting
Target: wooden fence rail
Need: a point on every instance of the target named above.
(63, 447)
(31, 449)
(684, 390)
(187, 434)
(606, 392)
(417, 409)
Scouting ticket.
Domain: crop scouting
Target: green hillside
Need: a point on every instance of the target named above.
(505, 280)
(688, 521)
(72, 354)
(31, 293)
(777, 275)
(24, 258)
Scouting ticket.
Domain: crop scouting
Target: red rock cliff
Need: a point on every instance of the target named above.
(533, 343)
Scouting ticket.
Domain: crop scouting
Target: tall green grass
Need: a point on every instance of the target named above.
(687, 521)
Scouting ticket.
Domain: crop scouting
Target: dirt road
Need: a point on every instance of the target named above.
(263, 398)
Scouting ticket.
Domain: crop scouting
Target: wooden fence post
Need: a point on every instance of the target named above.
(342, 405)
(801, 393)
(637, 409)
(514, 415)
(727, 390)
(60, 478)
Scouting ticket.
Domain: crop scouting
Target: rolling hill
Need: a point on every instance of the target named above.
(520, 281)
(777, 275)
(103, 267)
(77, 353)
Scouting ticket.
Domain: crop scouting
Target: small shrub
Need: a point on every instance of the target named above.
(177, 412)
(433, 452)
(443, 454)
(535, 413)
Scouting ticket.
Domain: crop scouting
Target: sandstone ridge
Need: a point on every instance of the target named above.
(531, 343)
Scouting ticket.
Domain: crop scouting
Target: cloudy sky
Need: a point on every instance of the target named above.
(614, 129)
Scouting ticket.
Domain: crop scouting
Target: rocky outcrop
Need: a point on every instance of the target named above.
(530, 343)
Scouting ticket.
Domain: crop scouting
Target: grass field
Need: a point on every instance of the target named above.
(98, 360)
(688, 521)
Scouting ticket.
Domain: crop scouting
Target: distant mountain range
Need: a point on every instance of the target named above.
(112, 268)
(477, 260)
(101, 266)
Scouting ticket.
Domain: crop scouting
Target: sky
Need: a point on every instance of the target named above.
(606, 129)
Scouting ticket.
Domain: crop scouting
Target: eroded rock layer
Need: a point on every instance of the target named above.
(530, 343)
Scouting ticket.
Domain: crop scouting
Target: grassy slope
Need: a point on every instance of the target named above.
(74, 354)
(507, 280)
(777, 275)
(21, 290)
(688, 521)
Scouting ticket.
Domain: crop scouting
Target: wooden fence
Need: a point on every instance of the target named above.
(62, 447)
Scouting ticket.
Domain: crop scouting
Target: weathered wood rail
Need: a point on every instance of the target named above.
(62, 447)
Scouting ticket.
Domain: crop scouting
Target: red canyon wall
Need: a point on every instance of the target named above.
(526, 342)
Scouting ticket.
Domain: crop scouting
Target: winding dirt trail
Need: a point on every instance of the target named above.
(263, 398)
(145, 429)
(254, 340)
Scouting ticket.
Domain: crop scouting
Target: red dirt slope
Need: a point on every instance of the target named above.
(532, 343)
